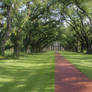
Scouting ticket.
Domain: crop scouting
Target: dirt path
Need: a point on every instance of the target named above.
(69, 79)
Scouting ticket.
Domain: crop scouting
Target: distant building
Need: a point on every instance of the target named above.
(56, 46)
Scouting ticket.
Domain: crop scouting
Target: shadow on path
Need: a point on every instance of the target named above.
(69, 79)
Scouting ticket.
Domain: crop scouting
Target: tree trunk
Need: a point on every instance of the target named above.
(82, 46)
(16, 51)
(7, 32)
(17, 44)
(2, 49)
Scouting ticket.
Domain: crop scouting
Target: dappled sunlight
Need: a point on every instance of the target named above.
(6, 80)
(20, 86)
(27, 65)
(32, 73)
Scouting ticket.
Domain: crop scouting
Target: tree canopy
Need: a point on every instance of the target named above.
(32, 25)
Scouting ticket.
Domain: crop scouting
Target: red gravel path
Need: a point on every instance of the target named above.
(69, 79)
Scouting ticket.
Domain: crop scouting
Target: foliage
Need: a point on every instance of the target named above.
(31, 26)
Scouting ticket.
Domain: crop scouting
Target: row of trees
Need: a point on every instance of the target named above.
(26, 25)
(31, 25)
(78, 19)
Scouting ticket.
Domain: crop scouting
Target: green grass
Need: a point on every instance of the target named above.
(29, 73)
(81, 61)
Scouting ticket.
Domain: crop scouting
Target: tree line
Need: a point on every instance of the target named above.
(32, 25)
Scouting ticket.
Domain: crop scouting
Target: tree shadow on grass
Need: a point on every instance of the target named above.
(32, 80)
(32, 75)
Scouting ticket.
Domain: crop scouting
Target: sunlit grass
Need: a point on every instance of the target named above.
(29, 73)
(82, 61)
(2, 57)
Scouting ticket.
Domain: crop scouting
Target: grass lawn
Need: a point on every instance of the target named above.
(81, 61)
(29, 73)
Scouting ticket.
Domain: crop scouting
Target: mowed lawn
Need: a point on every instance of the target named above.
(29, 73)
(81, 61)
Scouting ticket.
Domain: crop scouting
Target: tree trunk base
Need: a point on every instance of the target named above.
(89, 51)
